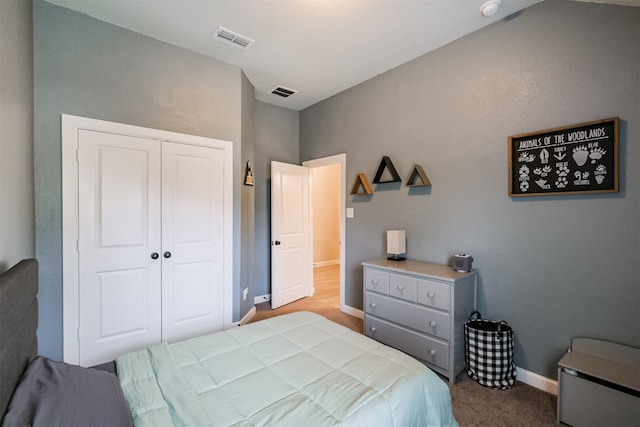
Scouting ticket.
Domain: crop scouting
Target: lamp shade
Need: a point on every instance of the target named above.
(396, 242)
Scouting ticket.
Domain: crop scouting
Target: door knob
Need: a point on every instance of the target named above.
(154, 255)
(167, 254)
(277, 242)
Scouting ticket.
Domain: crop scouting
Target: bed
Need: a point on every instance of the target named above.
(18, 323)
(294, 369)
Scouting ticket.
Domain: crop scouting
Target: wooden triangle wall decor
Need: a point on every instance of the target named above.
(386, 163)
(418, 172)
(361, 181)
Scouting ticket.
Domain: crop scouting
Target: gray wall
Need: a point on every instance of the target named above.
(16, 133)
(248, 198)
(554, 267)
(90, 68)
(276, 136)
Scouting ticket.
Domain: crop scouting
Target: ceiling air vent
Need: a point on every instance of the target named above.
(283, 91)
(233, 38)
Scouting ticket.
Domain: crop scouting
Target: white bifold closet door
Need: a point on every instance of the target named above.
(150, 243)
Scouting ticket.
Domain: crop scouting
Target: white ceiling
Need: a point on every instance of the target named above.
(317, 47)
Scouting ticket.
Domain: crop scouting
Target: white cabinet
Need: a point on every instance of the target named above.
(420, 308)
(152, 246)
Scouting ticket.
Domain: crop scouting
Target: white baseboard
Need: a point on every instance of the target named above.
(326, 263)
(352, 311)
(537, 381)
(262, 298)
(247, 316)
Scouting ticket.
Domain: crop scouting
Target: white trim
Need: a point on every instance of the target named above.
(70, 126)
(326, 263)
(70, 294)
(262, 298)
(340, 159)
(537, 381)
(247, 317)
(353, 311)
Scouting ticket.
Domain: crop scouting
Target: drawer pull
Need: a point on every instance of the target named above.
(374, 281)
(432, 324)
(400, 287)
(372, 329)
(372, 305)
(431, 294)
(432, 353)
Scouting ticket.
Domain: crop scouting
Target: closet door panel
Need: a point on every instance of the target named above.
(192, 279)
(192, 240)
(119, 228)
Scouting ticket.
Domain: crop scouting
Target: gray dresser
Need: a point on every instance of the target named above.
(420, 308)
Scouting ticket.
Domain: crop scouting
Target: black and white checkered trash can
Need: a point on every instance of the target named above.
(488, 352)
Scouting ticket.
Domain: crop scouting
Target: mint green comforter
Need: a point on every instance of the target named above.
(298, 369)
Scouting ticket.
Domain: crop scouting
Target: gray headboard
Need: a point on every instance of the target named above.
(18, 324)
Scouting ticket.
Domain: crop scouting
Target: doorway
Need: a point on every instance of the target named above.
(327, 188)
(325, 199)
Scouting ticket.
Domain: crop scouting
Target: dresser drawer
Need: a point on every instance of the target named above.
(423, 347)
(376, 280)
(413, 316)
(434, 294)
(419, 308)
(404, 287)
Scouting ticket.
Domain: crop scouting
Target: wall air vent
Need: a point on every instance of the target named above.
(283, 91)
(233, 38)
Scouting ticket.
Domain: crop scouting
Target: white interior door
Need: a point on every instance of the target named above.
(291, 252)
(119, 225)
(192, 240)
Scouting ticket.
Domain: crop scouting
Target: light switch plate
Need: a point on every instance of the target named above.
(349, 212)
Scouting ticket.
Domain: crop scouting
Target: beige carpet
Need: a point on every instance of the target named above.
(473, 405)
(521, 405)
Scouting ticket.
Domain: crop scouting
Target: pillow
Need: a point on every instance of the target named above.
(58, 394)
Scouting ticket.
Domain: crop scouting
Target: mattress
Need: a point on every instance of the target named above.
(298, 369)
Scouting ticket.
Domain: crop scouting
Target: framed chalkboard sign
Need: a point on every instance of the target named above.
(575, 159)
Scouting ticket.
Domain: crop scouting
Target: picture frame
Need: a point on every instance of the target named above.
(575, 159)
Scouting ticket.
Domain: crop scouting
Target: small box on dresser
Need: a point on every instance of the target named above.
(420, 308)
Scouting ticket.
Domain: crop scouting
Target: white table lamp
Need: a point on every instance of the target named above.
(396, 244)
